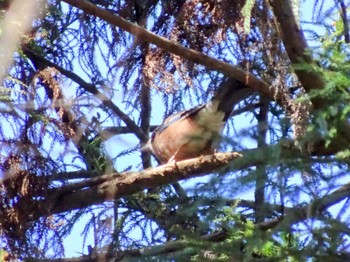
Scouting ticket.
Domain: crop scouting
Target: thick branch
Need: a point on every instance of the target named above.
(294, 41)
(146, 106)
(197, 57)
(344, 17)
(108, 187)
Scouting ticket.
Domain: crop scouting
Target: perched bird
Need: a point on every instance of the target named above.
(195, 132)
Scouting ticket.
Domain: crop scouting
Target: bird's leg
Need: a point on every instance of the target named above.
(172, 159)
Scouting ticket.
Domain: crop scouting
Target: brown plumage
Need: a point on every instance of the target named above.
(196, 131)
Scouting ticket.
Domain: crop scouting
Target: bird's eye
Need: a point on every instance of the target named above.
(153, 135)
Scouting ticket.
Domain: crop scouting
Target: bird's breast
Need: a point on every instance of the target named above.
(188, 137)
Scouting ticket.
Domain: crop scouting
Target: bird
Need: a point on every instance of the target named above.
(196, 131)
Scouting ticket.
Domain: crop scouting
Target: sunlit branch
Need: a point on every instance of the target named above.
(296, 46)
(111, 186)
(197, 57)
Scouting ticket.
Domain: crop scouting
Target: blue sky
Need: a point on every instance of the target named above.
(74, 242)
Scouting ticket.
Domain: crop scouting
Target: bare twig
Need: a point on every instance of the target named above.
(93, 90)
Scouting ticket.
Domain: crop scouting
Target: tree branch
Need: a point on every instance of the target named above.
(312, 210)
(261, 171)
(93, 90)
(192, 55)
(169, 247)
(145, 105)
(111, 186)
(344, 17)
(108, 187)
(110, 131)
(294, 41)
(293, 215)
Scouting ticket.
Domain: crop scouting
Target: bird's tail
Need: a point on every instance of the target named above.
(229, 94)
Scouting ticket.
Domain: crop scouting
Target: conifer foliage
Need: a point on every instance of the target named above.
(83, 85)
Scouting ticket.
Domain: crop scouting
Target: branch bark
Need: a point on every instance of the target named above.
(297, 49)
(197, 57)
(108, 187)
(344, 17)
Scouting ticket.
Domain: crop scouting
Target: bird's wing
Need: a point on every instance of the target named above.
(177, 117)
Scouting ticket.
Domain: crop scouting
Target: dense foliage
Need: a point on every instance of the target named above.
(87, 85)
